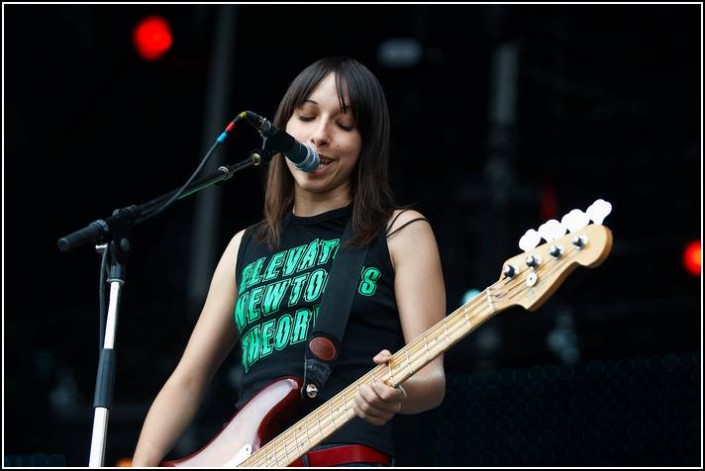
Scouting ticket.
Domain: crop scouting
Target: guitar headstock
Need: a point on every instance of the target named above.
(530, 278)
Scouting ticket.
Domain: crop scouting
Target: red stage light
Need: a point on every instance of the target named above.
(152, 38)
(692, 258)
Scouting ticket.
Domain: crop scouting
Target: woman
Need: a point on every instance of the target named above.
(271, 276)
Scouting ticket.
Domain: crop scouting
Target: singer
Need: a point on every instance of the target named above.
(267, 300)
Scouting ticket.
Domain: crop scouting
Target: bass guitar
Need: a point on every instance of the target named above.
(250, 438)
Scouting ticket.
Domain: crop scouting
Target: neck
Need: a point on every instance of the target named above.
(312, 204)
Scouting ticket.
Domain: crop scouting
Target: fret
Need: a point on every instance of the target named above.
(408, 362)
(489, 299)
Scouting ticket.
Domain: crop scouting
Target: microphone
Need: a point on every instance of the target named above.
(304, 157)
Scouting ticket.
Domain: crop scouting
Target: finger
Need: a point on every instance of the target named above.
(381, 397)
(368, 400)
(366, 411)
(374, 420)
(382, 357)
(390, 397)
(386, 393)
(369, 406)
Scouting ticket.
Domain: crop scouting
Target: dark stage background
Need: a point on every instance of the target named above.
(590, 102)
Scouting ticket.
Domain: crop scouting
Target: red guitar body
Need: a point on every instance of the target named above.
(261, 419)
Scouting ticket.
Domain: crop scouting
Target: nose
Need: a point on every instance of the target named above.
(320, 136)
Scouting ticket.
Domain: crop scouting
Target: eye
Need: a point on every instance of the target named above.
(346, 127)
(305, 117)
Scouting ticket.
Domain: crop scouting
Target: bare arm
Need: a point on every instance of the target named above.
(420, 294)
(212, 339)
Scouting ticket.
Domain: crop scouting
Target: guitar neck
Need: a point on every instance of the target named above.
(329, 417)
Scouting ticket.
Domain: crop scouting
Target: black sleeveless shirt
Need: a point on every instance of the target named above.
(279, 296)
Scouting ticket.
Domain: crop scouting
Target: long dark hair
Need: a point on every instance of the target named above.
(373, 200)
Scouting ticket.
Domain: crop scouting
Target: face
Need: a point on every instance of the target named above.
(321, 123)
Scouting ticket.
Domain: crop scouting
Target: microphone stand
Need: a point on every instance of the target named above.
(116, 228)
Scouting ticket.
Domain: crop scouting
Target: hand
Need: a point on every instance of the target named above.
(377, 403)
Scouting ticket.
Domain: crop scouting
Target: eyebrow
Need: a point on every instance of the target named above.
(308, 100)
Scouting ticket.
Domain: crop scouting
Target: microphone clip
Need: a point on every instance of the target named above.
(272, 141)
(278, 141)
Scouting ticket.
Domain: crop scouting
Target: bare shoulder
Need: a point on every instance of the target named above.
(235, 241)
(402, 219)
(229, 256)
(410, 237)
(237, 238)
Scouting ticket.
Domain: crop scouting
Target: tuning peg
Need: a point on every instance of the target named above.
(575, 220)
(529, 240)
(599, 210)
(551, 230)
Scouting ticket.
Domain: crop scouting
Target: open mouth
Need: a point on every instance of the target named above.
(324, 161)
